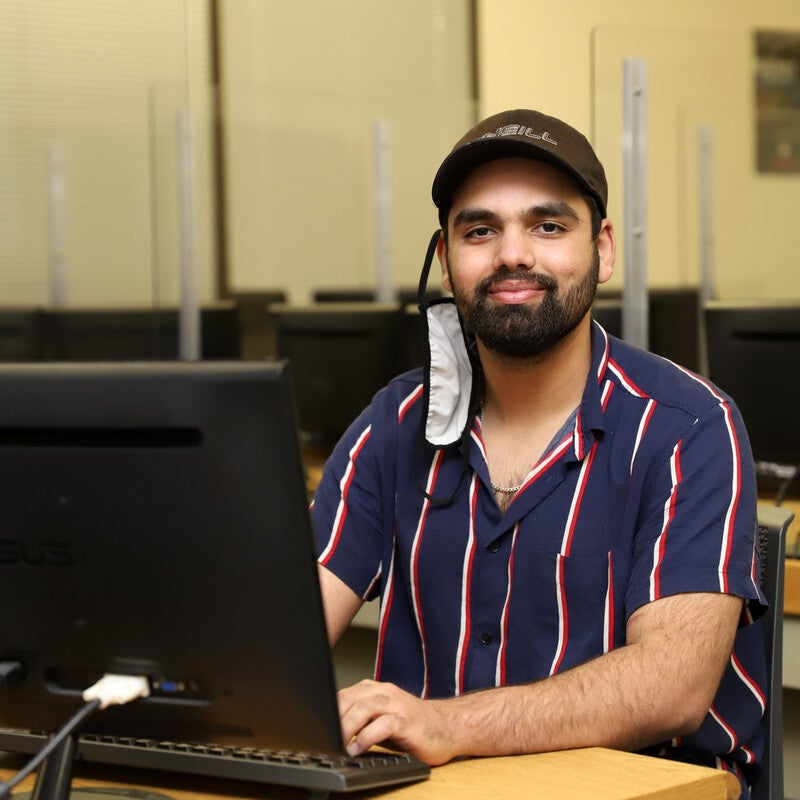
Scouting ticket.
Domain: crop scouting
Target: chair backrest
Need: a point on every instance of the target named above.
(772, 524)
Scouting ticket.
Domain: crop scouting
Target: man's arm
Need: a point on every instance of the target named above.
(658, 686)
(340, 602)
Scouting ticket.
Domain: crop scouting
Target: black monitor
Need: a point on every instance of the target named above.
(754, 355)
(153, 521)
(402, 294)
(20, 334)
(344, 295)
(136, 334)
(341, 354)
(674, 322)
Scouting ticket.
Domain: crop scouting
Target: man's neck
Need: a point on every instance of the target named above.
(518, 390)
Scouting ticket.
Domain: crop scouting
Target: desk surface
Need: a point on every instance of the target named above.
(595, 773)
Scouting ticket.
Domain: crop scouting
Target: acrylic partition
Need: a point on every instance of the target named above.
(721, 214)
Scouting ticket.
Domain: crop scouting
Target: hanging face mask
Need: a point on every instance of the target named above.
(449, 380)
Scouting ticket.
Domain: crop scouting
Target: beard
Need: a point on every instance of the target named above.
(520, 331)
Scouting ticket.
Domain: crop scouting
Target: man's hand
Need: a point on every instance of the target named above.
(381, 713)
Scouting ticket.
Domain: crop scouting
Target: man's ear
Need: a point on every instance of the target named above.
(441, 253)
(606, 250)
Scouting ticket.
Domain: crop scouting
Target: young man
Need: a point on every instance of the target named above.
(560, 527)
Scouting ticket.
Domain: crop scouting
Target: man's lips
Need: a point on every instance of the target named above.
(511, 292)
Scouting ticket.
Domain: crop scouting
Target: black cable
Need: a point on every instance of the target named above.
(72, 723)
(784, 487)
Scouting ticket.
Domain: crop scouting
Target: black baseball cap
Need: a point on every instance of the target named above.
(526, 134)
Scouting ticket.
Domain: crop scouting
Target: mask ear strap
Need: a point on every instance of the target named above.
(422, 288)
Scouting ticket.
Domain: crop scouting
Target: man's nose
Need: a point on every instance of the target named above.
(515, 250)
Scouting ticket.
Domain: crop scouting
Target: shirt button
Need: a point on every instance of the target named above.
(494, 547)
(486, 638)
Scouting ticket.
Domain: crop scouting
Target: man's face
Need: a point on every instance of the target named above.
(520, 258)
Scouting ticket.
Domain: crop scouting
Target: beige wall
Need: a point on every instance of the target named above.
(304, 86)
(567, 61)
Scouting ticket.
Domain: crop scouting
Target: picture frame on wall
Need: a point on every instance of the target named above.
(777, 90)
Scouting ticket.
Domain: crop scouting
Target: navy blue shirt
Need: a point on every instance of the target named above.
(651, 493)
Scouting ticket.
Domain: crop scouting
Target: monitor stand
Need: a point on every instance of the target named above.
(54, 781)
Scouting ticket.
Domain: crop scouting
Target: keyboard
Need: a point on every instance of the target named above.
(320, 773)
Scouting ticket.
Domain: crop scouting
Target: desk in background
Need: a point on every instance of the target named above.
(595, 773)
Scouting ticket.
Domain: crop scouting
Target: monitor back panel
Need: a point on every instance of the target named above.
(154, 522)
(754, 355)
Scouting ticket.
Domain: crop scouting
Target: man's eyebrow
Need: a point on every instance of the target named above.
(469, 216)
(554, 209)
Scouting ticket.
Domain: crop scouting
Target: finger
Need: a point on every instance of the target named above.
(381, 729)
(360, 708)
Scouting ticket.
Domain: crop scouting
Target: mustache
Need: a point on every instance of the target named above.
(505, 274)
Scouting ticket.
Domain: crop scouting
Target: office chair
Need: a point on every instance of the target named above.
(773, 522)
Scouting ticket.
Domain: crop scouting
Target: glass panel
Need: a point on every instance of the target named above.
(699, 80)
(283, 99)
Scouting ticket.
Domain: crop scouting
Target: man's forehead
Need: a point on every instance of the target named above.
(539, 183)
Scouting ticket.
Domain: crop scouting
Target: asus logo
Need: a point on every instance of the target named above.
(49, 553)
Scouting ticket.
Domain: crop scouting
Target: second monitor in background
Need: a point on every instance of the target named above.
(340, 355)
(754, 356)
(135, 334)
(674, 323)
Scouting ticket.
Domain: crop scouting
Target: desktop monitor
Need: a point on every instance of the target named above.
(153, 521)
(341, 354)
(674, 322)
(754, 356)
(20, 334)
(404, 295)
(135, 334)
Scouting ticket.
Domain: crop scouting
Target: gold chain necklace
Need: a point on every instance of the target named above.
(506, 489)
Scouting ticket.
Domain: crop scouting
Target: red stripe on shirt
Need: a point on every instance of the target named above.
(563, 616)
(609, 643)
(500, 674)
(341, 513)
(386, 609)
(433, 475)
(466, 620)
(655, 582)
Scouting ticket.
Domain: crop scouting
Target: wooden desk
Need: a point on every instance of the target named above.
(593, 773)
(791, 589)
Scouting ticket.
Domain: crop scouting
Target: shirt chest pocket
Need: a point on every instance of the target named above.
(566, 609)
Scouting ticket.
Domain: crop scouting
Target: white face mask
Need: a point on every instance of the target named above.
(448, 379)
(448, 369)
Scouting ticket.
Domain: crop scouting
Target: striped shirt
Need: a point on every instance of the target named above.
(649, 494)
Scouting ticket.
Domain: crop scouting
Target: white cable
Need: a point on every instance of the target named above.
(116, 690)
(108, 691)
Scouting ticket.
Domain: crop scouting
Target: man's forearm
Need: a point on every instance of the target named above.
(658, 686)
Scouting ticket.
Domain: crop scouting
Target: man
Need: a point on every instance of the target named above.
(560, 527)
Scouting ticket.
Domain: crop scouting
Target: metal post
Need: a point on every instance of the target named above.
(705, 171)
(189, 317)
(56, 186)
(635, 296)
(382, 200)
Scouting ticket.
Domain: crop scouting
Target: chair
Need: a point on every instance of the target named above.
(773, 522)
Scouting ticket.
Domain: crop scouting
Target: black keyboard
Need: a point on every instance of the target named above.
(318, 772)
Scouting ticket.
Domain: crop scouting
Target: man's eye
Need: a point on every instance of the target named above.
(550, 227)
(479, 233)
